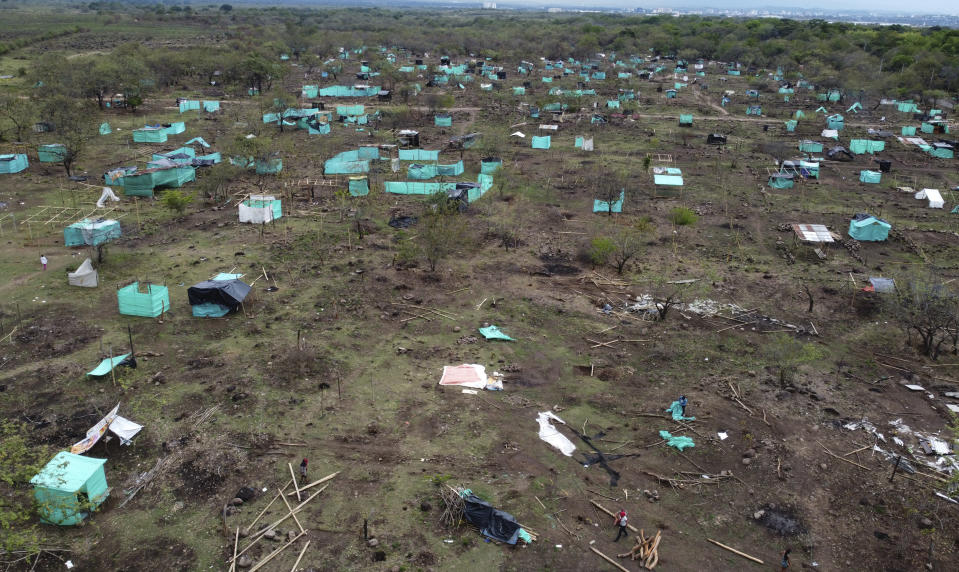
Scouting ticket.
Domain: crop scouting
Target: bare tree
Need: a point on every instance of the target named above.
(441, 230)
(923, 306)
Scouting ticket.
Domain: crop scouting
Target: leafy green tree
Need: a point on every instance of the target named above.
(75, 126)
(176, 200)
(440, 229)
(20, 460)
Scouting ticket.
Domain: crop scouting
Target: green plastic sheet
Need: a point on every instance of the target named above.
(107, 365)
(676, 410)
(494, 333)
(679, 443)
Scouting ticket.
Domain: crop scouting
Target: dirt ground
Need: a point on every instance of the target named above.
(337, 354)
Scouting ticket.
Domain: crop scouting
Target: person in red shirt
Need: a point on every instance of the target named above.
(620, 520)
(303, 470)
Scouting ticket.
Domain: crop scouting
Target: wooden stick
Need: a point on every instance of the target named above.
(743, 405)
(295, 486)
(733, 550)
(261, 563)
(602, 495)
(831, 454)
(313, 484)
(602, 508)
(236, 541)
(735, 394)
(289, 508)
(291, 444)
(604, 557)
(857, 450)
(260, 534)
(264, 509)
(300, 557)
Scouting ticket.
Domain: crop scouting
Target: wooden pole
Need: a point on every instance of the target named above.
(262, 512)
(298, 507)
(289, 508)
(602, 508)
(236, 541)
(895, 468)
(300, 557)
(734, 551)
(113, 375)
(295, 485)
(275, 552)
(608, 559)
(314, 483)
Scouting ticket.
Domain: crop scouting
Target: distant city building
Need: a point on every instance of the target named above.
(489, 5)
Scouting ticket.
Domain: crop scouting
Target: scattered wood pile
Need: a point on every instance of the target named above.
(646, 550)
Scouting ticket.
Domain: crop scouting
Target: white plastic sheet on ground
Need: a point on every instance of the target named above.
(466, 375)
(125, 429)
(551, 435)
(107, 194)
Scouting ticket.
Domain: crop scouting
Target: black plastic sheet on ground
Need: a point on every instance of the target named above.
(493, 523)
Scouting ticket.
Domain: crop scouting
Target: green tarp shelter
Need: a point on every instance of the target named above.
(10, 164)
(359, 186)
(519, 91)
(268, 166)
(907, 107)
(52, 153)
(866, 176)
(107, 365)
(211, 106)
(260, 209)
(754, 110)
(105, 129)
(781, 181)
(69, 487)
(541, 142)
(810, 146)
(91, 232)
(861, 146)
(311, 91)
(668, 180)
(420, 171)
(416, 188)
(150, 303)
(490, 165)
(791, 125)
(799, 114)
(494, 333)
(836, 122)
(909, 131)
(142, 183)
(869, 228)
(601, 206)
(345, 91)
(419, 155)
(685, 118)
(450, 170)
(443, 121)
(350, 110)
(854, 108)
(189, 105)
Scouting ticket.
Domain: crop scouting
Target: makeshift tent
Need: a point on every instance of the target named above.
(269, 166)
(932, 196)
(260, 209)
(215, 298)
(443, 120)
(490, 165)
(868, 228)
(150, 135)
(311, 91)
(781, 181)
(810, 146)
(791, 125)
(189, 105)
(69, 487)
(668, 180)
(492, 523)
(345, 91)
(716, 139)
(835, 122)
(866, 176)
(418, 155)
(105, 129)
(359, 186)
(211, 106)
(53, 153)
(754, 110)
(13, 163)
(91, 232)
(541, 142)
(148, 304)
(883, 285)
(85, 276)
(494, 333)
(685, 118)
(123, 428)
(601, 206)
(830, 133)
(909, 131)
(861, 146)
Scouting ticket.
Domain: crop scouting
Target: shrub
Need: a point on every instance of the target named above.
(176, 200)
(600, 249)
(682, 216)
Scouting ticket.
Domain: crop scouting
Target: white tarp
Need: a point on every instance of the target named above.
(125, 429)
(107, 194)
(933, 196)
(588, 144)
(257, 214)
(465, 375)
(552, 435)
(85, 275)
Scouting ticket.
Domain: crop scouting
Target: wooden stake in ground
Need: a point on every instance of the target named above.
(734, 551)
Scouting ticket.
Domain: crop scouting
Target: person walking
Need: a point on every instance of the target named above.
(683, 402)
(303, 469)
(785, 560)
(43, 261)
(621, 520)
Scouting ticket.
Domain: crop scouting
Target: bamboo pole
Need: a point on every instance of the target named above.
(313, 484)
(236, 541)
(262, 512)
(734, 551)
(295, 485)
(289, 508)
(602, 508)
(263, 562)
(604, 557)
(259, 535)
(300, 557)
